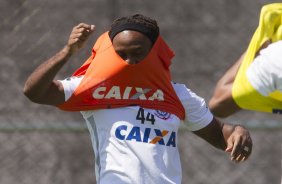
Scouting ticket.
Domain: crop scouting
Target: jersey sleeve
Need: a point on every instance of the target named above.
(265, 71)
(69, 85)
(197, 113)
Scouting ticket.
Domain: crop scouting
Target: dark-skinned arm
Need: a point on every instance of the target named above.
(234, 139)
(222, 103)
(40, 86)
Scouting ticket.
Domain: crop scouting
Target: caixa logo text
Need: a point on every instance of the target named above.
(148, 135)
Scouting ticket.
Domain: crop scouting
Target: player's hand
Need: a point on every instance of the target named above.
(239, 144)
(78, 36)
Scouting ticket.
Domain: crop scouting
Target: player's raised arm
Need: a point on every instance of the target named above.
(40, 86)
(222, 104)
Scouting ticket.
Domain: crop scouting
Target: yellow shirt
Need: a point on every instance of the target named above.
(243, 92)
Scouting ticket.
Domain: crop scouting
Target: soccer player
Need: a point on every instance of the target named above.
(254, 82)
(131, 107)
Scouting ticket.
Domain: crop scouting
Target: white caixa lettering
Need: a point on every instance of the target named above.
(128, 93)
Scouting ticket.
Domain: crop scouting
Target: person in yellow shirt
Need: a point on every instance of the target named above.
(254, 82)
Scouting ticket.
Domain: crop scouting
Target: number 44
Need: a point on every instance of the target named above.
(141, 116)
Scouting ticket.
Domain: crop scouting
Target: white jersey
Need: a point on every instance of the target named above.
(265, 72)
(135, 145)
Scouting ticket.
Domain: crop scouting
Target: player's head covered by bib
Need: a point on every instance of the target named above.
(129, 72)
(129, 65)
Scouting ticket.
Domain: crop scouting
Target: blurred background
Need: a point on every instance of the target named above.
(43, 145)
